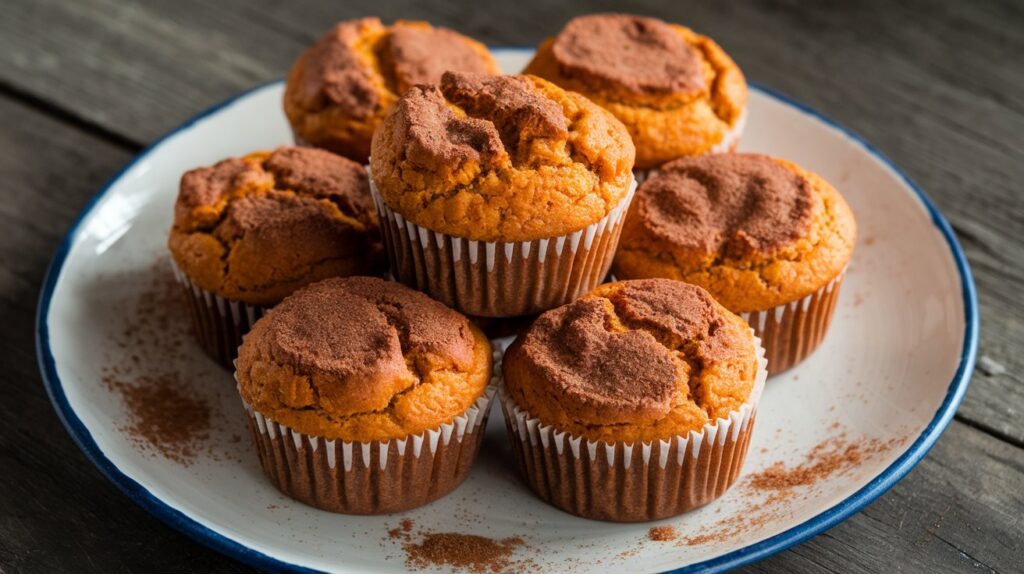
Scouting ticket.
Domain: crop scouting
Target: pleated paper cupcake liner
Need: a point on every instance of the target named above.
(730, 141)
(791, 332)
(501, 279)
(632, 482)
(377, 477)
(219, 324)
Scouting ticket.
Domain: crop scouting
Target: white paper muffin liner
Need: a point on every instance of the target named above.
(219, 324)
(375, 477)
(501, 279)
(632, 482)
(791, 332)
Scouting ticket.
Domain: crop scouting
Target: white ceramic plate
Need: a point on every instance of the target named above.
(893, 368)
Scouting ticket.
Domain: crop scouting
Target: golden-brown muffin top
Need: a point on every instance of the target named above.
(256, 228)
(755, 231)
(633, 361)
(362, 359)
(676, 91)
(340, 88)
(501, 158)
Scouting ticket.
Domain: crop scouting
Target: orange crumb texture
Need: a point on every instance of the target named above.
(256, 228)
(562, 163)
(702, 384)
(759, 280)
(374, 369)
(357, 59)
(666, 126)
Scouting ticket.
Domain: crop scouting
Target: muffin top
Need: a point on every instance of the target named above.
(633, 361)
(362, 359)
(753, 230)
(340, 88)
(500, 158)
(676, 91)
(256, 228)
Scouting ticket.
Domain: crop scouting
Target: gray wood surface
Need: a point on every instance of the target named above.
(936, 86)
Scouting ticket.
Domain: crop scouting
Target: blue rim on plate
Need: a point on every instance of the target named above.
(773, 545)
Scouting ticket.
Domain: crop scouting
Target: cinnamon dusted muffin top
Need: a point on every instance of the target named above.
(677, 92)
(753, 230)
(256, 228)
(340, 88)
(633, 361)
(362, 359)
(501, 158)
(631, 54)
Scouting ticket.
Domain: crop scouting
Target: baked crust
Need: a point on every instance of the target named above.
(664, 124)
(633, 361)
(752, 280)
(509, 158)
(256, 228)
(362, 359)
(340, 88)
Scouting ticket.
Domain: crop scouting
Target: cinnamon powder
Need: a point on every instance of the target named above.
(468, 552)
(663, 533)
(163, 417)
(770, 489)
(461, 552)
(166, 415)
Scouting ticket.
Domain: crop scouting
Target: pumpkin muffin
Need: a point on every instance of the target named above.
(767, 239)
(501, 195)
(382, 390)
(249, 231)
(678, 93)
(616, 384)
(340, 88)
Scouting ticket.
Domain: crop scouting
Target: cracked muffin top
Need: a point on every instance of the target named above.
(340, 88)
(362, 359)
(633, 361)
(753, 230)
(256, 228)
(500, 158)
(677, 92)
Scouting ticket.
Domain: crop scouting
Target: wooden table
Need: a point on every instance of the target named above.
(938, 87)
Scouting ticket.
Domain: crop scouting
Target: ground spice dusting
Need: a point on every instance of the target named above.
(769, 489)
(166, 414)
(462, 552)
(663, 533)
(468, 552)
(163, 417)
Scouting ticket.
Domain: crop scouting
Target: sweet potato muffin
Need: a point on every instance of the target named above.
(250, 231)
(604, 395)
(539, 175)
(758, 233)
(507, 158)
(633, 361)
(340, 88)
(678, 93)
(363, 361)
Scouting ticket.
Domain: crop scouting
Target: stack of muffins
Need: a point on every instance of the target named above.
(494, 198)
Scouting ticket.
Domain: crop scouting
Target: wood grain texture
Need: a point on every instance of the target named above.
(937, 86)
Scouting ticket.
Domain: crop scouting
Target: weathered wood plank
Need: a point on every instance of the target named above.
(57, 513)
(930, 84)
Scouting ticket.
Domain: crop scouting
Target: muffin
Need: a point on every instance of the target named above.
(633, 403)
(500, 195)
(364, 396)
(340, 88)
(767, 239)
(249, 231)
(678, 93)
